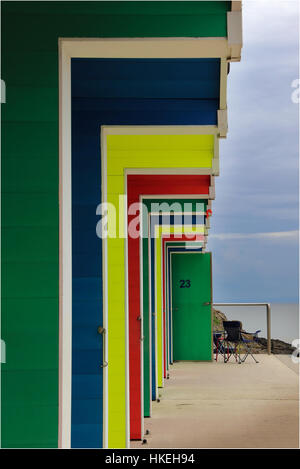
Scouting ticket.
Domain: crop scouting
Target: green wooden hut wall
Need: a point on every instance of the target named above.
(30, 211)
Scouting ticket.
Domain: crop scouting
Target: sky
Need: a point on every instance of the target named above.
(254, 226)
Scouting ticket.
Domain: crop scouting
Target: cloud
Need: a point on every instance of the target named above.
(256, 267)
(254, 229)
(273, 236)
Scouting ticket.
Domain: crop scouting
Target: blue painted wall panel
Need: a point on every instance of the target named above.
(146, 112)
(146, 78)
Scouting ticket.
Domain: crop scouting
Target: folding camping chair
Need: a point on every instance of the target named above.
(234, 335)
(247, 341)
(219, 346)
(232, 340)
(218, 337)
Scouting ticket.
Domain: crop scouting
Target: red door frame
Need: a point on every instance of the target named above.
(140, 185)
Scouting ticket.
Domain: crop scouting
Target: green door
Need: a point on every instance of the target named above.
(191, 305)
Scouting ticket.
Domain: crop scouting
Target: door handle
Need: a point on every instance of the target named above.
(102, 331)
(141, 337)
(207, 303)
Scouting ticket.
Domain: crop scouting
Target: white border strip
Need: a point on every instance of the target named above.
(65, 252)
(105, 301)
(155, 48)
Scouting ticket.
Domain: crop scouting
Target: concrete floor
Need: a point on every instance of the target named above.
(217, 405)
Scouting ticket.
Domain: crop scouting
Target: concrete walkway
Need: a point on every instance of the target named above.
(217, 405)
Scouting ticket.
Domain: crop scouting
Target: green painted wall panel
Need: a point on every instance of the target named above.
(38, 68)
(29, 280)
(29, 175)
(28, 361)
(30, 392)
(31, 104)
(204, 25)
(36, 140)
(43, 340)
(42, 393)
(29, 425)
(110, 19)
(25, 209)
(41, 334)
(30, 32)
(160, 8)
(30, 245)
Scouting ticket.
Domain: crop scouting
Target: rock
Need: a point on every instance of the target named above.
(218, 318)
(278, 347)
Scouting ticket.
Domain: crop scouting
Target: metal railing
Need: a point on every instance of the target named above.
(268, 311)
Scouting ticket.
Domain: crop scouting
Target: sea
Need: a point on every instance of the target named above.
(284, 319)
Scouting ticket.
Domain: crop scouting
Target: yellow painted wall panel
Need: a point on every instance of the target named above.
(159, 142)
(180, 159)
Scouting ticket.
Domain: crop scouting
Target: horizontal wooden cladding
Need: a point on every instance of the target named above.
(48, 21)
(30, 68)
(20, 281)
(160, 142)
(119, 7)
(24, 104)
(28, 138)
(39, 422)
(205, 88)
(136, 110)
(29, 209)
(31, 244)
(31, 373)
(29, 175)
(40, 70)
(147, 112)
(151, 184)
(146, 78)
(42, 335)
(50, 27)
